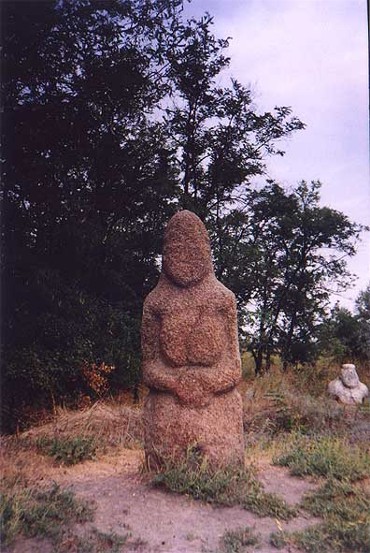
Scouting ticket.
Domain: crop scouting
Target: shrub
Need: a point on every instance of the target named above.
(69, 450)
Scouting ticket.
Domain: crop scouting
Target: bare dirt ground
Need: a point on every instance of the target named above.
(127, 503)
(158, 521)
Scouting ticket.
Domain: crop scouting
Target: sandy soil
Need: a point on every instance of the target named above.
(161, 522)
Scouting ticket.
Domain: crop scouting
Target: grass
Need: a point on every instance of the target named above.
(109, 424)
(93, 541)
(287, 415)
(68, 450)
(334, 536)
(45, 513)
(222, 487)
(276, 406)
(236, 541)
(345, 509)
(325, 456)
(339, 499)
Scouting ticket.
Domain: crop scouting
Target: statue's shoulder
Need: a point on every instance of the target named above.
(224, 294)
(157, 297)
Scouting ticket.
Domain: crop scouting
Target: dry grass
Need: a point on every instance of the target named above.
(109, 423)
(280, 403)
(278, 408)
(18, 465)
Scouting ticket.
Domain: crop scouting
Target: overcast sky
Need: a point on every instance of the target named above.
(311, 55)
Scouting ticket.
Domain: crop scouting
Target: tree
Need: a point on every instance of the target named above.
(345, 336)
(284, 254)
(363, 318)
(114, 119)
(220, 140)
(88, 183)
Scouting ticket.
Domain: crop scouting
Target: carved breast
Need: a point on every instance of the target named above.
(192, 337)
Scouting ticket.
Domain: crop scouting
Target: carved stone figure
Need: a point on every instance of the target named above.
(191, 360)
(347, 388)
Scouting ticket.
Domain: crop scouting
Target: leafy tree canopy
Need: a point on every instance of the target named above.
(113, 119)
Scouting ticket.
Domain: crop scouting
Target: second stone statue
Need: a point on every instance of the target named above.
(191, 360)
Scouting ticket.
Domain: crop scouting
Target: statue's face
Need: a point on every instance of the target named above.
(349, 376)
(186, 251)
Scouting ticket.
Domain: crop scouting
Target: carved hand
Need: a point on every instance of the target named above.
(192, 390)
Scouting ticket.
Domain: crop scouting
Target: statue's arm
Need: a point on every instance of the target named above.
(229, 367)
(226, 374)
(155, 373)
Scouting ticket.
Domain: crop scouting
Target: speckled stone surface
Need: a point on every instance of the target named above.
(347, 388)
(191, 360)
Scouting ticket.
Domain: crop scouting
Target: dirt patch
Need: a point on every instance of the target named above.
(161, 522)
(277, 480)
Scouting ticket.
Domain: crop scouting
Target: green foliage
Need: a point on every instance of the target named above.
(94, 541)
(271, 254)
(84, 198)
(334, 536)
(68, 451)
(326, 456)
(223, 487)
(40, 512)
(235, 541)
(344, 336)
(114, 118)
(339, 499)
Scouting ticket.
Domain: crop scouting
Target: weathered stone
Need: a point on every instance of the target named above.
(349, 376)
(347, 388)
(191, 360)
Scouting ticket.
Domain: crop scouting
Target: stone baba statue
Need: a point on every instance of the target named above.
(347, 388)
(191, 360)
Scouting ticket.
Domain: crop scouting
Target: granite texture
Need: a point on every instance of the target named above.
(347, 388)
(191, 360)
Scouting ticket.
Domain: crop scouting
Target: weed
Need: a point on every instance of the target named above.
(334, 536)
(346, 512)
(235, 541)
(39, 512)
(223, 487)
(340, 499)
(278, 404)
(93, 541)
(346, 526)
(279, 539)
(67, 451)
(326, 456)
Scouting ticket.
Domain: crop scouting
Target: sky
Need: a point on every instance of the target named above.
(311, 55)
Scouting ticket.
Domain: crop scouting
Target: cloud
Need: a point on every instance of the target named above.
(311, 55)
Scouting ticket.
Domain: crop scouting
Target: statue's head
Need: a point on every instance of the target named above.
(186, 250)
(349, 376)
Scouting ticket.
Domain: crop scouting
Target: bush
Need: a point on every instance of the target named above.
(68, 451)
